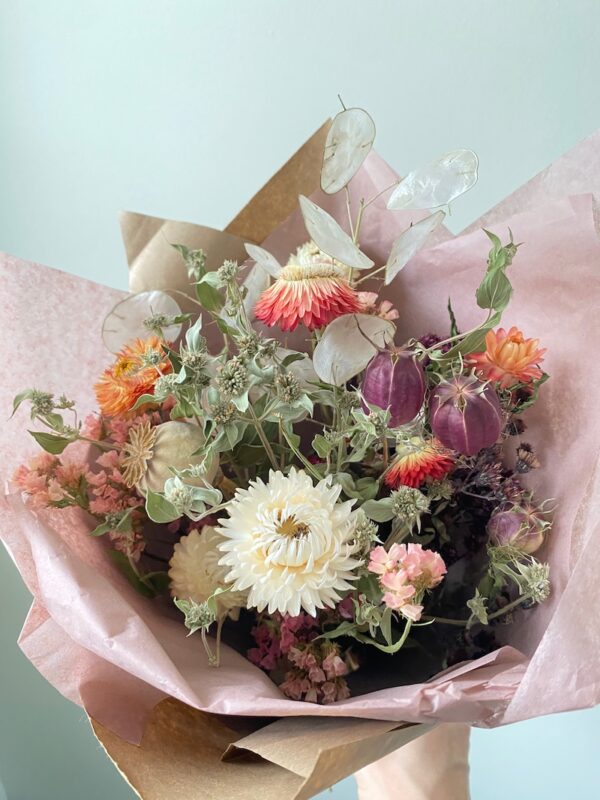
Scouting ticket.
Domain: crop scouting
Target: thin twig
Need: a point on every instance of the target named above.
(462, 623)
(301, 457)
(378, 195)
(263, 438)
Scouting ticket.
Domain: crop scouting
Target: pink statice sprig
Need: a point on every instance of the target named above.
(405, 572)
(291, 648)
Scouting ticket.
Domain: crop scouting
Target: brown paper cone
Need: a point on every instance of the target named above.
(279, 196)
(188, 755)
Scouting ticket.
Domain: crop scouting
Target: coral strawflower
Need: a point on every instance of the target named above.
(416, 460)
(134, 373)
(311, 294)
(509, 358)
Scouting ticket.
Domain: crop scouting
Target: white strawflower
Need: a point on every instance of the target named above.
(290, 543)
(196, 574)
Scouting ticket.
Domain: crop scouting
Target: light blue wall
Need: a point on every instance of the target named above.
(183, 109)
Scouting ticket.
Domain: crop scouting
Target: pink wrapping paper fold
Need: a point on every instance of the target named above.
(117, 654)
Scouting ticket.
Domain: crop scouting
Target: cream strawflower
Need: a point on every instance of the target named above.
(195, 572)
(290, 543)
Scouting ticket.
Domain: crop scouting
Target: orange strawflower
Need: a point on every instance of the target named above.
(416, 460)
(132, 375)
(509, 358)
(313, 294)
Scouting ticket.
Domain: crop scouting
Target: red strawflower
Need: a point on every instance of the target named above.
(416, 461)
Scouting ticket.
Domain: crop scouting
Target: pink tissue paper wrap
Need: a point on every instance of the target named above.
(118, 654)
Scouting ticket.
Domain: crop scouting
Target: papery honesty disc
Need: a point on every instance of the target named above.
(437, 183)
(257, 281)
(348, 344)
(126, 320)
(348, 143)
(330, 238)
(263, 258)
(409, 243)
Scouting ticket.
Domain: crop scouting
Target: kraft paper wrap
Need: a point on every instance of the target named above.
(118, 655)
(188, 755)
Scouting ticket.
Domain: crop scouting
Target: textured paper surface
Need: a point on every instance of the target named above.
(99, 643)
(432, 767)
(279, 196)
(180, 756)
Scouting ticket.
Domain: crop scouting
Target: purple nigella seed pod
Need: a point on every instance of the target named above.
(395, 380)
(465, 414)
(521, 526)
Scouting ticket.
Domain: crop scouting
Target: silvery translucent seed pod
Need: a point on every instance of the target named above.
(465, 414)
(395, 380)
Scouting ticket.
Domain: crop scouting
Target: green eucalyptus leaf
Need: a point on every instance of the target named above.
(20, 398)
(345, 628)
(211, 279)
(209, 297)
(379, 510)
(520, 407)
(159, 509)
(182, 250)
(52, 442)
(453, 324)
(247, 455)
(495, 291)
(101, 529)
(54, 421)
(143, 400)
(292, 358)
(234, 431)
(157, 582)
(224, 327)
(368, 585)
(122, 562)
(385, 625)
(241, 402)
(322, 446)
(385, 648)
